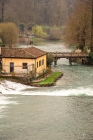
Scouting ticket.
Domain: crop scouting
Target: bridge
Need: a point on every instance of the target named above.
(69, 55)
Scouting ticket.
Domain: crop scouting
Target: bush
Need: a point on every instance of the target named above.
(22, 27)
(30, 25)
(49, 60)
(55, 33)
(85, 49)
(8, 33)
(38, 31)
(48, 70)
(90, 58)
(91, 55)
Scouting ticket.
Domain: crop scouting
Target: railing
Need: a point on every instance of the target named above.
(68, 54)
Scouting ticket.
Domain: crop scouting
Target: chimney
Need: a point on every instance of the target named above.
(0, 50)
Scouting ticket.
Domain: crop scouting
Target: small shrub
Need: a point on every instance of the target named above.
(55, 33)
(85, 49)
(38, 31)
(30, 25)
(49, 60)
(12, 73)
(22, 27)
(48, 70)
(90, 58)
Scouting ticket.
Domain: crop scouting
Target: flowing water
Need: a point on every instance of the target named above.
(62, 112)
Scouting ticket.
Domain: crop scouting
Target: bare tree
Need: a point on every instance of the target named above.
(8, 33)
(44, 12)
(78, 29)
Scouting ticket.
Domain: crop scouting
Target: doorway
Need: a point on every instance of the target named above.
(11, 67)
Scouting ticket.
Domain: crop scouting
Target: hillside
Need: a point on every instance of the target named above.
(45, 12)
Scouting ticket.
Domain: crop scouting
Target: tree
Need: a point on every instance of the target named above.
(41, 12)
(22, 27)
(8, 33)
(54, 33)
(49, 59)
(30, 25)
(78, 28)
(38, 31)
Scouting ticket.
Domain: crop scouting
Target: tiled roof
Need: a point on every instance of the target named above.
(30, 52)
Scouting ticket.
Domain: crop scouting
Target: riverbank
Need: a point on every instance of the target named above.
(49, 80)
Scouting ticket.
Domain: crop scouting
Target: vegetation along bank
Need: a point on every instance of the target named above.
(48, 81)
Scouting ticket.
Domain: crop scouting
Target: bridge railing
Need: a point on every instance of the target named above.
(67, 54)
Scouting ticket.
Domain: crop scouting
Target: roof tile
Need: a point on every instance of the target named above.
(30, 52)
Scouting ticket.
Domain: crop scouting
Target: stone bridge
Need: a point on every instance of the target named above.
(69, 55)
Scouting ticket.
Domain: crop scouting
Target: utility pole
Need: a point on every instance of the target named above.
(3, 4)
(2, 11)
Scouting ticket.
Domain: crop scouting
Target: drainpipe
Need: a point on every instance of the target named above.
(35, 68)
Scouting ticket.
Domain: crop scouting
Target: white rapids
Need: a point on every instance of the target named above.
(11, 88)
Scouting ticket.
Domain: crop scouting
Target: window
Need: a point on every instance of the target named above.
(39, 63)
(24, 66)
(42, 61)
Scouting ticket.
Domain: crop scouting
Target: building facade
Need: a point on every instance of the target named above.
(23, 60)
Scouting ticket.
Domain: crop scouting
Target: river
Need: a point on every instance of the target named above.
(61, 112)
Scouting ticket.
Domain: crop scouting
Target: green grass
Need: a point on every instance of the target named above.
(51, 79)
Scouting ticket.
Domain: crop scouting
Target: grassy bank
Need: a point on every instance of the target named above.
(49, 81)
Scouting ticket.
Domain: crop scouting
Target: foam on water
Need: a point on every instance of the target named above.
(4, 102)
(8, 87)
(70, 92)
